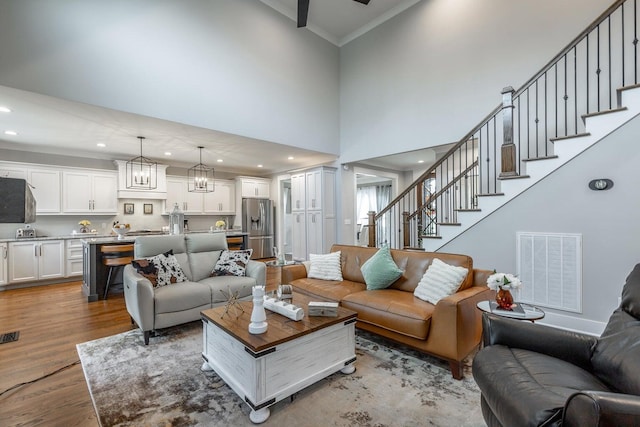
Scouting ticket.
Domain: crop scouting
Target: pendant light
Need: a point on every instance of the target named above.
(201, 177)
(142, 173)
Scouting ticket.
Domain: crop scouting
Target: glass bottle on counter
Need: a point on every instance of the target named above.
(176, 221)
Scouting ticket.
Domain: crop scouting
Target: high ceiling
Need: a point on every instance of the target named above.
(50, 125)
(340, 21)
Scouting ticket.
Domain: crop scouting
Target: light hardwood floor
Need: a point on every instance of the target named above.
(52, 320)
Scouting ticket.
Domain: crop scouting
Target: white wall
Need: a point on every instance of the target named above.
(236, 66)
(430, 74)
(563, 203)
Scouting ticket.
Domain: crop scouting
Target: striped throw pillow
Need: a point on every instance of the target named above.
(439, 281)
(325, 267)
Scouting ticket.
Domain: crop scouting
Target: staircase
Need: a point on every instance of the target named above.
(587, 91)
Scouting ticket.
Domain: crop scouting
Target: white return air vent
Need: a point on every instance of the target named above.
(550, 267)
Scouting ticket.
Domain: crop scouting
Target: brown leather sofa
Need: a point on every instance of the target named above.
(450, 330)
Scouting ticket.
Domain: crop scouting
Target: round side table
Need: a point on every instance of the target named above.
(531, 312)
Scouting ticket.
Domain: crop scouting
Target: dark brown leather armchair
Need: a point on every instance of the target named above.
(534, 375)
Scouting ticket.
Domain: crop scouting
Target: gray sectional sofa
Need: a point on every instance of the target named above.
(154, 308)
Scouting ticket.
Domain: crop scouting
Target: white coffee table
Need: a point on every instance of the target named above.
(266, 368)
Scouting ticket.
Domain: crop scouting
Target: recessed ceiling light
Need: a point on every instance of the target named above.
(259, 166)
(219, 160)
(4, 109)
(101, 145)
(420, 161)
(167, 153)
(10, 132)
(290, 157)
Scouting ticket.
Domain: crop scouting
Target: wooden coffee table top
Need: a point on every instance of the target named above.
(281, 329)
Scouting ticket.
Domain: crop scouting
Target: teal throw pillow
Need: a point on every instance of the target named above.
(380, 271)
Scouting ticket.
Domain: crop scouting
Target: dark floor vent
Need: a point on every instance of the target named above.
(9, 337)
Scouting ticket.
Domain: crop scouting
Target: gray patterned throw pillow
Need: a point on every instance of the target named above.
(168, 268)
(232, 263)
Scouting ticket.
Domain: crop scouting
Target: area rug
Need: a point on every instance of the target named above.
(162, 385)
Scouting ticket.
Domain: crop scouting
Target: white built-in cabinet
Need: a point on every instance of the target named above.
(313, 210)
(219, 202)
(90, 192)
(73, 257)
(35, 260)
(4, 279)
(254, 188)
(46, 187)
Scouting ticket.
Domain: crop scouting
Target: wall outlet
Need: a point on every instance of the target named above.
(103, 225)
(347, 221)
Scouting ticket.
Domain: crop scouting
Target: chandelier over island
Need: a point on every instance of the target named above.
(142, 173)
(201, 177)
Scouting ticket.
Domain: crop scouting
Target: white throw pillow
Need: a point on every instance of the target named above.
(439, 281)
(325, 267)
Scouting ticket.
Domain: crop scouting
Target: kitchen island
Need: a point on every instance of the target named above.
(94, 272)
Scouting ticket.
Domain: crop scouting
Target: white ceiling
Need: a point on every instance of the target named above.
(55, 126)
(340, 21)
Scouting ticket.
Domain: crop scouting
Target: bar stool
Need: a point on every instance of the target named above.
(115, 256)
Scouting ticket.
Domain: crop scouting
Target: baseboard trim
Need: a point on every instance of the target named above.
(574, 324)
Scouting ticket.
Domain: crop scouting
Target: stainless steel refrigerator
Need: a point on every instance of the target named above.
(257, 220)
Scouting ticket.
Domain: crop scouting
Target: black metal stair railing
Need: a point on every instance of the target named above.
(582, 79)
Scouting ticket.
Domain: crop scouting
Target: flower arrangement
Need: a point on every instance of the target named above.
(84, 225)
(220, 224)
(503, 281)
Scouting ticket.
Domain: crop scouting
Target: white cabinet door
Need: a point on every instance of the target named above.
(35, 260)
(314, 233)
(255, 188)
(3, 263)
(314, 190)
(298, 235)
(77, 192)
(298, 192)
(89, 192)
(193, 201)
(23, 261)
(73, 258)
(46, 189)
(222, 200)
(177, 192)
(174, 194)
(105, 193)
(51, 259)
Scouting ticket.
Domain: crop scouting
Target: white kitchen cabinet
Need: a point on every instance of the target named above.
(298, 236)
(298, 191)
(90, 192)
(315, 224)
(177, 192)
(254, 188)
(36, 260)
(219, 202)
(46, 187)
(73, 257)
(3, 263)
(222, 201)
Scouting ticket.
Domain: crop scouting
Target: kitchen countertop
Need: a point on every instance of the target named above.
(111, 238)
